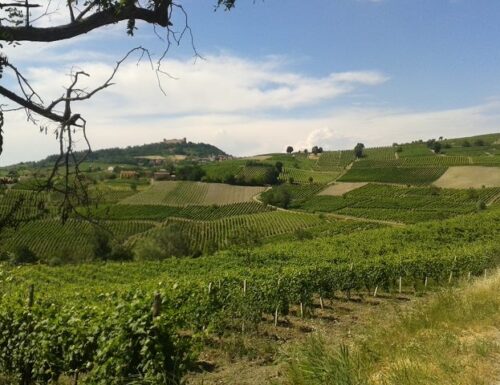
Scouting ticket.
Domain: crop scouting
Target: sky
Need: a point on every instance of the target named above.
(274, 73)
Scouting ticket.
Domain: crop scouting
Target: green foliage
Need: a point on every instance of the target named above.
(128, 155)
(303, 176)
(100, 313)
(290, 195)
(279, 196)
(171, 241)
(401, 204)
(358, 150)
(115, 344)
(75, 241)
(188, 171)
(302, 234)
(405, 175)
(23, 255)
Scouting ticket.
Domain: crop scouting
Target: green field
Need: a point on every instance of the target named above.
(307, 176)
(335, 160)
(406, 175)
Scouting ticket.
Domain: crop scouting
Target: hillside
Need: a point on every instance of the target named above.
(129, 155)
(288, 244)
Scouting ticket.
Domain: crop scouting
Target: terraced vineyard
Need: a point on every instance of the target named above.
(192, 193)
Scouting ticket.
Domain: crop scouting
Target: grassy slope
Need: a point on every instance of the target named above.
(451, 339)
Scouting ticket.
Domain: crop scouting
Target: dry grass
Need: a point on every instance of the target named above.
(451, 339)
(469, 177)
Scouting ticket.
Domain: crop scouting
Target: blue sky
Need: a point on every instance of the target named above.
(283, 72)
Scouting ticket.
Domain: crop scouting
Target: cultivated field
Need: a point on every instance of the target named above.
(193, 193)
(303, 176)
(469, 177)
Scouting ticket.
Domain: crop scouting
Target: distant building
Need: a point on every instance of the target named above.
(175, 141)
(163, 175)
(223, 157)
(128, 174)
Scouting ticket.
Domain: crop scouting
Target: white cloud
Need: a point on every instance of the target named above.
(218, 84)
(244, 106)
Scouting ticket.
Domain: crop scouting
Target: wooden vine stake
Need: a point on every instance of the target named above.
(375, 291)
(485, 272)
(451, 272)
(468, 276)
(321, 303)
(276, 317)
(209, 287)
(400, 284)
(244, 287)
(301, 310)
(75, 377)
(426, 281)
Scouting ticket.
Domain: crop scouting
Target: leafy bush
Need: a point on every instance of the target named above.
(170, 242)
(23, 255)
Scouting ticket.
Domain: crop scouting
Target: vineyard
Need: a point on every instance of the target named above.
(402, 204)
(101, 317)
(206, 235)
(161, 213)
(204, 261)
(335, 160)
(192, 193)
(307, 176)
(407, 175)
(380, 153)
(72, 241)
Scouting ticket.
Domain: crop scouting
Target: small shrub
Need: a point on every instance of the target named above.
(302, 234)
(23, 255)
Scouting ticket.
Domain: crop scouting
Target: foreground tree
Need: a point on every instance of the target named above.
(20, 23)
